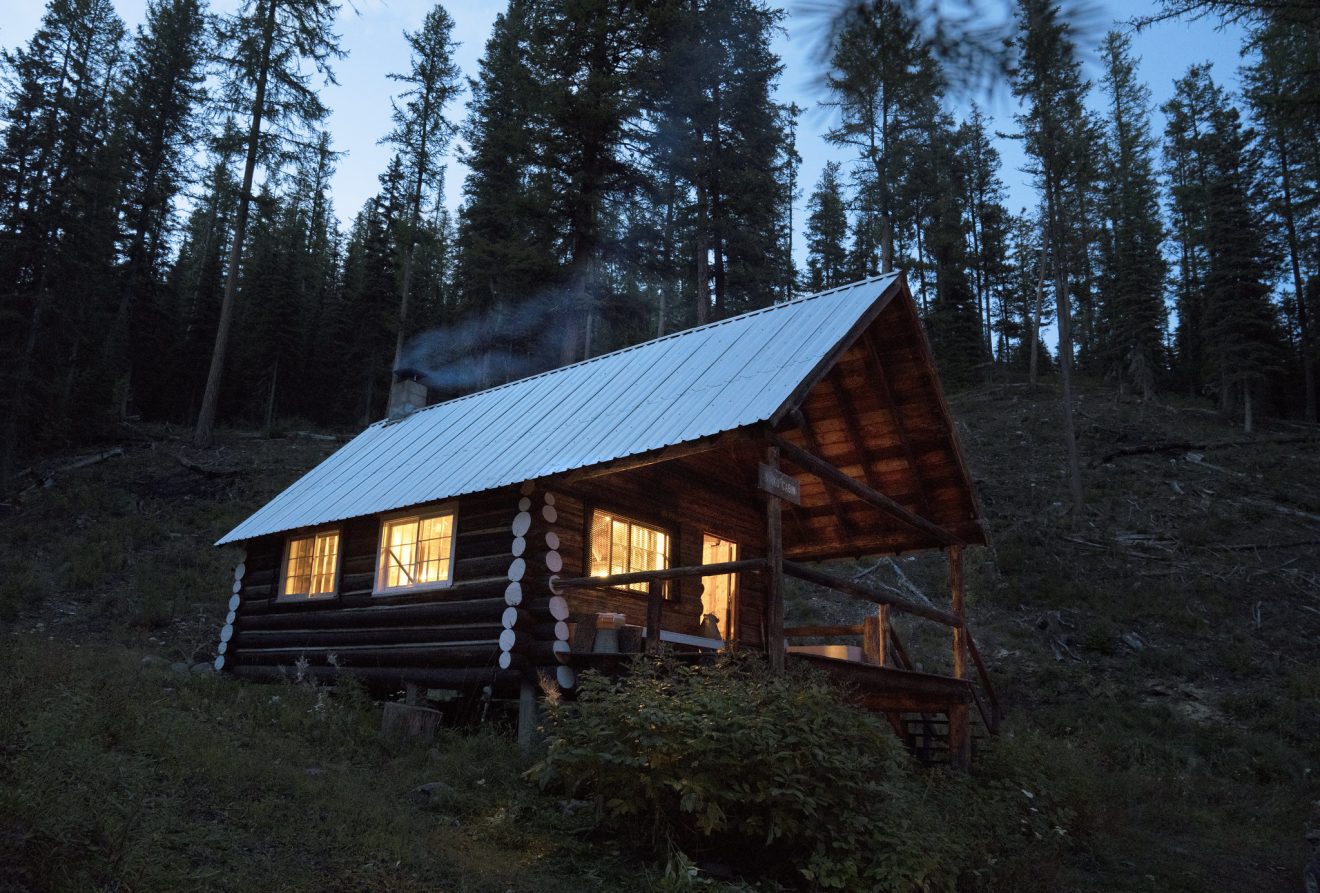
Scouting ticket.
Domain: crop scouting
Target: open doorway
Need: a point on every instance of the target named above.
(719, 596)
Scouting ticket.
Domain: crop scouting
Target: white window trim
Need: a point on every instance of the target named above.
(378, 591)
(284, 566)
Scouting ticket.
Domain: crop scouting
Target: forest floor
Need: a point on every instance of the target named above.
(1159, 660)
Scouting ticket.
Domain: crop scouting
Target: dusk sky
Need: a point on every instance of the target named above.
(372, 35)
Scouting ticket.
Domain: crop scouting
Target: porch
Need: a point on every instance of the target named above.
(934, 714)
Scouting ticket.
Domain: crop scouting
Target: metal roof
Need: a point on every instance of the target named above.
(682, 387)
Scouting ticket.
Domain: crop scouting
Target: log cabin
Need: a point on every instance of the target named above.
(658, 494)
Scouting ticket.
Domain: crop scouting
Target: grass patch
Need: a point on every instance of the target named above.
(119, 776)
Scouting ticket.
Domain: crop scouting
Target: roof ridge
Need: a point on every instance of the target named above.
(631, 347)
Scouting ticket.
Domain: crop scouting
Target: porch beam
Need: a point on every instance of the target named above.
(809, 434)
(668, 573)
(831, 475)
(654, 457)
(871, 357)
(870, 594)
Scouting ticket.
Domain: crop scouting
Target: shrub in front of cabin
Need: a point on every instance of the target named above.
(776, 777)
(726, 763)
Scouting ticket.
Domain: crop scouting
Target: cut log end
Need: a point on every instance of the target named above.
(517, 568)
(566, 677)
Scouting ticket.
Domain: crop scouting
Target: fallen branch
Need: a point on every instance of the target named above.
(207, 472)
(1252, 547)
(1183, 446)
(87, 460)
(1282, 509)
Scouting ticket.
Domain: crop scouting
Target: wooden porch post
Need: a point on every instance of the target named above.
(526, 716)
(960, 732)
(774, 552)
(875, 637)
(654, 600)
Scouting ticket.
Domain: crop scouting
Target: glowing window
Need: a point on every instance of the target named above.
(416, 552)
(624, 546)
(310, 565)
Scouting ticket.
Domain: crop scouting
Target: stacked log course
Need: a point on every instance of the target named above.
(535, 637)
(447, 638)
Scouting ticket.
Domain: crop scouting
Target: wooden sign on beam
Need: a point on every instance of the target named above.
(776, 483)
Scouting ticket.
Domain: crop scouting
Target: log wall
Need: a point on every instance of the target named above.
(447, 636)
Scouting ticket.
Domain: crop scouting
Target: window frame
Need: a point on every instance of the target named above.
(729, 635)
(670, 531)
(421, 514)
(309, 598)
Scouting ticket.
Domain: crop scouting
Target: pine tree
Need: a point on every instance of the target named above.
(987, 218)
(1285, 99)
(156, 124)
(1049, 81)
(506, 251)
(1227, 277)
(884, 83)
(58, 201)
(421, 134)
(1132, 313)
(826, 230)
(953, 322)
(273, 50)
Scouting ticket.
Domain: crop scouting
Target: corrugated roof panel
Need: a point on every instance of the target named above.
(692, 384)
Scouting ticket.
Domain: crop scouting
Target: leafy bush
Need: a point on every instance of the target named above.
(778, 777)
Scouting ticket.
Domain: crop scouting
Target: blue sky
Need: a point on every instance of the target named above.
(372, 35)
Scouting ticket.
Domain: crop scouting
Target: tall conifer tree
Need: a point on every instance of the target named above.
(274, 49)
(1133, 267)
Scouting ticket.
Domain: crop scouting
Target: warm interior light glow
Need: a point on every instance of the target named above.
(310, 569)
(623, 546)
(717, 593)
(415, 551)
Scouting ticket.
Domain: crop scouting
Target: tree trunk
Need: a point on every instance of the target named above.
(1064, 311)
(703, 256)
(1303, 322)
(1035, 317)
(204, 435)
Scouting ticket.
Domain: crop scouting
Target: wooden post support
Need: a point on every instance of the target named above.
(774, 538)
(960, 738)
(526, 716)
(654, 600)
(875, 633)
(960, 729)
(958, 607)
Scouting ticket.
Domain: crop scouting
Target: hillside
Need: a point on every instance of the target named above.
(1157, 661)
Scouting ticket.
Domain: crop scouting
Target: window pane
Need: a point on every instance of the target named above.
(600, 544)
(619, 547)
(298, 572)
(433, 550)
(324, 561)
(398, 556)
(416, 551)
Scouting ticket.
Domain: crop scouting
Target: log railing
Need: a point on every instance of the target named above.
(885, 640)
(987, 706)
(655, 581)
